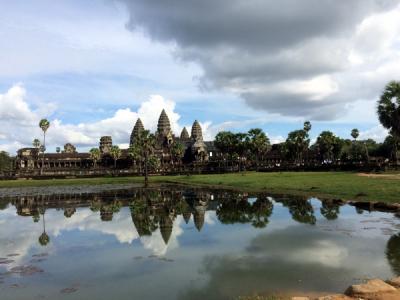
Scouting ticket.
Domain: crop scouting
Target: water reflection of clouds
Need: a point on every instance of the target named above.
(292, 259)
(155, 242)
(23, 233)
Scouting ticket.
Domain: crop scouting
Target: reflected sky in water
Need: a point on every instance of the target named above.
(183, 243)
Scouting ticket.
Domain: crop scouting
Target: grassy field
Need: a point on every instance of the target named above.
(339, 185)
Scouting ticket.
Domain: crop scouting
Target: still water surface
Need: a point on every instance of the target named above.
(185, 243)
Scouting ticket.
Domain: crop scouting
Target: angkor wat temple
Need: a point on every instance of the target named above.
(32, 162)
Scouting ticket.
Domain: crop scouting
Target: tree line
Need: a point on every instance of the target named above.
(255, 146)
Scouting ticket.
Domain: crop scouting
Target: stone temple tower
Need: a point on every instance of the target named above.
(137, 129)
(163, 126)
(185, 134)
(164, 133)
(199, 148)
(197, 134)
(105, 144)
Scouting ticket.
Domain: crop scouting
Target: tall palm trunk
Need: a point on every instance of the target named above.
(366, 152)
(396, 154)
(146, 175)
(44, 148)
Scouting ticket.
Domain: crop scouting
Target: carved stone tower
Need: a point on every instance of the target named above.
(137, 129)
(105, 144)
(163, 126)
(184, 134)
(197, 134)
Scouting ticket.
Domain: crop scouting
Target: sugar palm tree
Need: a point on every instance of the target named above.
(389, 111)
(146, 143)
(115, 152)
(44, 238)
(307, 126)
(355, 134)
(135, 154)
(95, 155)
(177, 151)
(258, 143)
(44, 124)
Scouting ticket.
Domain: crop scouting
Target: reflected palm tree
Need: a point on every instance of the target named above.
(141, 218)
(262, 209)
(234, 211)
(301, 210)
(393, 253)
(44, 238)
(330, 210)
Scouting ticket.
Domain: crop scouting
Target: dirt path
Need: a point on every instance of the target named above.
(388, 176)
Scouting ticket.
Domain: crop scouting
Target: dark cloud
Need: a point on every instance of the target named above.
(241, 44)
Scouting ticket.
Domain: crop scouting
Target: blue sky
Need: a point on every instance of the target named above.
(92, 67)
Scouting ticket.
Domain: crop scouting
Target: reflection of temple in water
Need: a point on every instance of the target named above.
(154, 209)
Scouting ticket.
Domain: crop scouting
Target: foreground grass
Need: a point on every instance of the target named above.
(340, 185)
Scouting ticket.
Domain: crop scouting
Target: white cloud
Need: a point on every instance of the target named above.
(377, 133)
(19, 123)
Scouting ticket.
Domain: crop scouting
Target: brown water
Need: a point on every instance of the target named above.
(183, 243)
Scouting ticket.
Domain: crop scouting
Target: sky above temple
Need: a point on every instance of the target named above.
(93, 67)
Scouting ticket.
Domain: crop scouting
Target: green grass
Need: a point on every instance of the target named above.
(339, 185)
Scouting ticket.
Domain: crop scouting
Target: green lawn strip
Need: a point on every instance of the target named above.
(339, 185)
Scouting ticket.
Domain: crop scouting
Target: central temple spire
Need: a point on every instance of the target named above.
(163, 126)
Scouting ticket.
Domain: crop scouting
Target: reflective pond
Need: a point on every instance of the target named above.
(187, 243)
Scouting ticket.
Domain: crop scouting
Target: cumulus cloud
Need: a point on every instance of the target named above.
(19, 123)
(297, 59)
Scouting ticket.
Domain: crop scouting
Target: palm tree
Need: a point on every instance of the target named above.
(389, 111)
(177, 151)
(297, 144)
(44, 124)
(355, 134)
(225, 141)
(115, 152)
(146, 143)
(307, 126)
(134, 153)
(95, 155)
(258, 143)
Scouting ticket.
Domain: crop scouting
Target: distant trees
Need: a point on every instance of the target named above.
(257, 143)
(253, 145)
(329, 146)
(297, 143)
(6, 161)
(389, 112)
